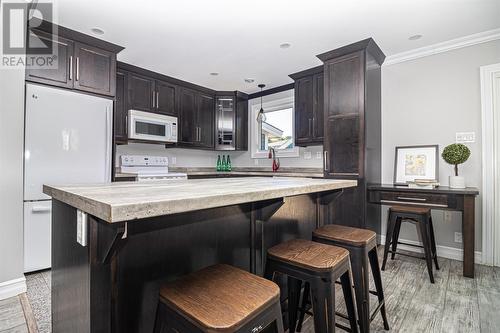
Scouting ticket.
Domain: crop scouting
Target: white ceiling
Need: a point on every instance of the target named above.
(188, 39)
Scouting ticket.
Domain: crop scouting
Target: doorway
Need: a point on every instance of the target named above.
(490, 109)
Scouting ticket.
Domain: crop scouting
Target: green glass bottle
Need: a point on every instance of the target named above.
(228, 163)
(224, 165)
(219, 163)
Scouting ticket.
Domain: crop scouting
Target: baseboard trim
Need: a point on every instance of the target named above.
(12, 288)
(442, 251)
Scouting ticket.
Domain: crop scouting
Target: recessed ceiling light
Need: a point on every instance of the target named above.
(415, 37)
(285, 45)
(249, 80)
(214, 73)
(97, 31)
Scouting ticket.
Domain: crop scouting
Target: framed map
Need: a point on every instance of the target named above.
(416, 162)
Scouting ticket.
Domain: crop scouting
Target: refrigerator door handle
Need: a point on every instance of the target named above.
(108, 145)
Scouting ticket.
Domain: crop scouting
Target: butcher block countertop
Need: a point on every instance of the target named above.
(125, 201)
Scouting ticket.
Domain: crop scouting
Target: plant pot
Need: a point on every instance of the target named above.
(457, 182)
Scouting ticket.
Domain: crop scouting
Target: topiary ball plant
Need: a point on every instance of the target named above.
(456, 154)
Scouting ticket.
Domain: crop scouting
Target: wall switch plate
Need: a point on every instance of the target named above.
(447, 216)
(465, 137)
(81, 227)
(458, 237)
(319, 155)
(307, 155)
(173, 159)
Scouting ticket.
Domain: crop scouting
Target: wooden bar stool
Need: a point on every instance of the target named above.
(362, 246)
(219, 298)
(422, 218)
(320, 266)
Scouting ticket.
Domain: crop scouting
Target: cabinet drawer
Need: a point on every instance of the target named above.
(420, 199)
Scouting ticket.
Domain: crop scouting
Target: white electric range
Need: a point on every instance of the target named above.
(148, 168)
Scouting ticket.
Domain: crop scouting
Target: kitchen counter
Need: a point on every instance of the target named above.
(116, 202)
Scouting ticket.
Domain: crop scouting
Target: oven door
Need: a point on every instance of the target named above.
(150, 127)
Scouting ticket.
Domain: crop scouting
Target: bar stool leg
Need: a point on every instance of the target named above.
(433, 242)
(294, 286)
(323, 296)
(424, 235)
(391, 224)
(359, 269)
(305, 300)
(345, 280)
(372, 255)
(395, 238)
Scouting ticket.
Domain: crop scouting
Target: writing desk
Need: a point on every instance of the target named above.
(441, 197)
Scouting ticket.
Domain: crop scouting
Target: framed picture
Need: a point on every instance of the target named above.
(416, 162)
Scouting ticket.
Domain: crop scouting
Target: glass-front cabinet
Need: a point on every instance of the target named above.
(225, 114)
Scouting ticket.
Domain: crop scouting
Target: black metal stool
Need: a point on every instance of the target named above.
(422, 218)
(219, 298)
(362, 246)
(320, 266)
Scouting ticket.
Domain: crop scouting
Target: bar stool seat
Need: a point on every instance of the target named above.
(347, 235)
(319, 265)
(309, 255)
(410, 209)
(219, 298)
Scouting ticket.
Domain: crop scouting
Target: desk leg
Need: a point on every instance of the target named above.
(468, 216)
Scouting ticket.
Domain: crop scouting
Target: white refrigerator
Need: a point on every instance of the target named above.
(67, 141)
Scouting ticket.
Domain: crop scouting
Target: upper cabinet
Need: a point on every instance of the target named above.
(148, 94)
(83, 63)
(309, 106)
(120, 114)
(196, 119)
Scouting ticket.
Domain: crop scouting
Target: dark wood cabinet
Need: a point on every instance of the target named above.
(166, 98)
(197, 119)
(120, 129)
(95, 70)
(188, 113)
(309, 106)
(141, 92)
(84, 63)
(205, 120)
(62, 74)
(352, 128)
(241, 123)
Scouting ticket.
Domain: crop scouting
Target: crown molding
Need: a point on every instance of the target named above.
(453, 44)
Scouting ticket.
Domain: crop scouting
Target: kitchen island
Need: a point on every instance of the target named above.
(114, 244)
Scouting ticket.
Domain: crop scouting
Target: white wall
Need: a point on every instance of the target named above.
(428, 100)
(11, 174)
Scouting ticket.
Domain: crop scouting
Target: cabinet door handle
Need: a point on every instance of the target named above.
(314, 126)
(153, 98)
(325, 160)
(71, 67)
(126, 125)
(157, 99)
(310, 127)
(77, 68)
(410, 198)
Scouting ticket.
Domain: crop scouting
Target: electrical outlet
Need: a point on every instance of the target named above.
(465, 137)
(173, 159)
(458, 237)
(319, 155)
(307, 155)
(447, 216)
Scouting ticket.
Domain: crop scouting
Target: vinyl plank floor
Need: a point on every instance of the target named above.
(11, 315)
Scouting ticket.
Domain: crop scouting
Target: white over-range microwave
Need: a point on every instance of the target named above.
(151, 126)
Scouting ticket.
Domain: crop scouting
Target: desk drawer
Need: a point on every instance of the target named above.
(413, 198)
